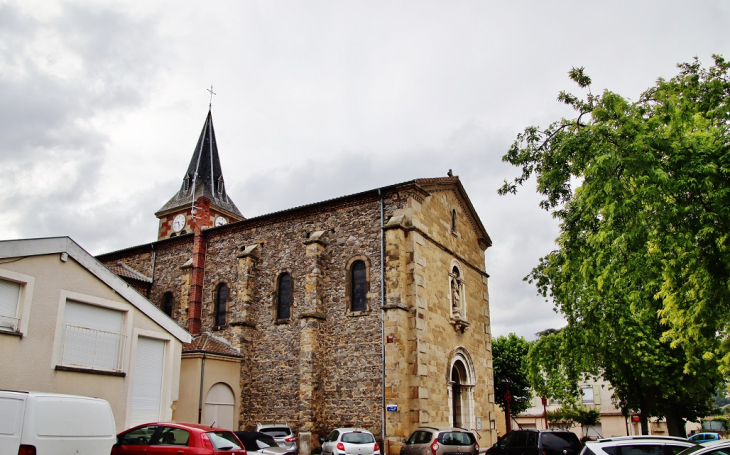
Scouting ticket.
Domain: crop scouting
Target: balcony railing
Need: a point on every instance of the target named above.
(90, 348)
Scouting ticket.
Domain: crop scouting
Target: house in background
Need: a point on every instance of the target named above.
(597, 394)
(70, 325)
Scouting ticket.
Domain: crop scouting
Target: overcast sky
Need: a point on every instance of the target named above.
(101, 105)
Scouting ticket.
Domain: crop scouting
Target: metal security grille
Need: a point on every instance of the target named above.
(90, 348)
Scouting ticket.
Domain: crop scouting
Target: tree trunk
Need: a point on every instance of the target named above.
(675, 426)
(644, 418)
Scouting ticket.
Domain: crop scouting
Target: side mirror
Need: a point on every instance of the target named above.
(405, 441)
(322, 439)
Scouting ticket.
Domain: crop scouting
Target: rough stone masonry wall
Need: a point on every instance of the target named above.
(347, 361)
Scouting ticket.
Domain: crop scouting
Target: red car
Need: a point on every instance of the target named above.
(177, 438)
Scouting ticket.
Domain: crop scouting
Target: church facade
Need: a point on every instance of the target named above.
(368, 310)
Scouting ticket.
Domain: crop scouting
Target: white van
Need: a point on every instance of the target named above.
(37, 423)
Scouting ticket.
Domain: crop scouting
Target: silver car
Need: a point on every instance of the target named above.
(282, 434)
(720, 447)
(348, 441)
(440, 441)
(638, 445)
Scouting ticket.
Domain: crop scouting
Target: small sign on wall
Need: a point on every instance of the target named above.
(479, 423)
(391, 407)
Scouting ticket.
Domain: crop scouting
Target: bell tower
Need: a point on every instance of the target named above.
(204, 177)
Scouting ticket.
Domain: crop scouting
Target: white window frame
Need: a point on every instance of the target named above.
(584, 398)
(75, 297)
(25, 298)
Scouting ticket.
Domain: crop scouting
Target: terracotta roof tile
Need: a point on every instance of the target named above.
(126, 271)
(205, 342)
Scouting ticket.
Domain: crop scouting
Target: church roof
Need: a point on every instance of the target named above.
(423, 183)
(204, 176)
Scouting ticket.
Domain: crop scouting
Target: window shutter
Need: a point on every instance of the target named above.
(147, 388)
(92, 336)
(93, 317)
(9, 296)
(596, 394)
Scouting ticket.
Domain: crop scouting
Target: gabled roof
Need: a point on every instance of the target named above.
(433, 183)
(58, 245)
(204, 176)
(424, 184)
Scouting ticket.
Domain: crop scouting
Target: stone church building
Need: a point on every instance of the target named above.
(367, 310)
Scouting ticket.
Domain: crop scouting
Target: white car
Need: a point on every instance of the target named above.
(638, 445)
(350, 441)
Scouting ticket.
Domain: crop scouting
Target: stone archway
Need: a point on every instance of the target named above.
(461, 381)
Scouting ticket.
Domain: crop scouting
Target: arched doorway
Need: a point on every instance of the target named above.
(461, 389)
(220, 407)
(456, 382)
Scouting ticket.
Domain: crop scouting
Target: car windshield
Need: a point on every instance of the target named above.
(457, 438)
(276, 432)
(358, 438)
(718, 451)
(224, 440)
(560, 441)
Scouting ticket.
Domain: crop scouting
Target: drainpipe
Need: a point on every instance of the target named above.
(200, 399)
(154, 265)
(382, 310)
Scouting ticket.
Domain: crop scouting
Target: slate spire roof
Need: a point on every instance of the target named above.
(204, 176)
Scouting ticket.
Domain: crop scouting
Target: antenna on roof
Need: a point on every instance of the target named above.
(210, 104)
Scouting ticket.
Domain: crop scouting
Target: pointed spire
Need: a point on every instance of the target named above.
(204, 176)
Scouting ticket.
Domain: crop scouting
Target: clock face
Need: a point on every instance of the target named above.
(178, 223)
(220, 221)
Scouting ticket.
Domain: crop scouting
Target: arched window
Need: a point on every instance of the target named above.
(359, 286)
(167, 302)
(221, 297)
(283, 304)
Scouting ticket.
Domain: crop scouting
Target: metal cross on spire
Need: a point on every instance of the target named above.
(210, 105)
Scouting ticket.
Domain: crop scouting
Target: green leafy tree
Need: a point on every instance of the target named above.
(571, 414)
(642, 268)
(509, 357)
